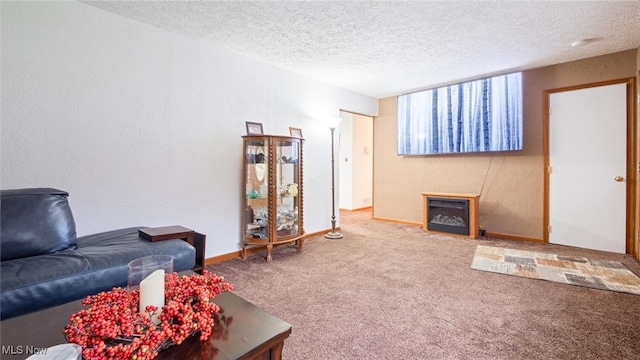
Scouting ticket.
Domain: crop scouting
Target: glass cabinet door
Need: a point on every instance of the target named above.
(257, 188)
(287, 154)
(272, 175)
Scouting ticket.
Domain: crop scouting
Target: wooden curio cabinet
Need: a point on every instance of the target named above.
(272, 175)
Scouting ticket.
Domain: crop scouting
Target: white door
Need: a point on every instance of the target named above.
(587, 151)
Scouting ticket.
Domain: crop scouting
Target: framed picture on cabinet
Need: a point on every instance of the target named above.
(295, 132)
(254, 128)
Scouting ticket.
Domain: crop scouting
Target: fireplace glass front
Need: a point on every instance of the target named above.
(448, 215)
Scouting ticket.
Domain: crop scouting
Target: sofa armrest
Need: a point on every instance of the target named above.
(35, 222)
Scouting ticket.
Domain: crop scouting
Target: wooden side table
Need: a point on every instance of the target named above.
(197, 240)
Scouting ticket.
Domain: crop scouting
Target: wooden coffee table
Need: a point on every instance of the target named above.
(244, 331)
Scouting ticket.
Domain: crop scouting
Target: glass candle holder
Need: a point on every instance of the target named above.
(148, 273)
(141, 268)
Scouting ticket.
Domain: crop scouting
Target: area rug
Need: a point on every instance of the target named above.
(597, 274)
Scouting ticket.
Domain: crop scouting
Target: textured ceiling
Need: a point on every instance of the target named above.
(384, 48)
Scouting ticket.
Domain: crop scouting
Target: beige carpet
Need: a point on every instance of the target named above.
(392, 291)
(572, 270)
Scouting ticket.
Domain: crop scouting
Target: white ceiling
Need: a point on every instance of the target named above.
(385, 48)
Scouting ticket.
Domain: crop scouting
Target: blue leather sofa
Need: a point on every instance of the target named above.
(44, 264)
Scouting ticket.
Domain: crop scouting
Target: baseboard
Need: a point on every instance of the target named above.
(357, 209)
(489, 234)
(397, 221)
(223, 257)
(235, 254)
(512, 237)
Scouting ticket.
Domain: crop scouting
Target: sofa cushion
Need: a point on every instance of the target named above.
(34, 222)
(34, 282)
(99, 263)
(38, 269)
(99, 250)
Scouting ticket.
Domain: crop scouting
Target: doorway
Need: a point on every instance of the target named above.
(589, 177)
(355, 161)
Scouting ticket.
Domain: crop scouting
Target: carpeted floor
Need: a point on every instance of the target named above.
(390, 291)
(572, 270)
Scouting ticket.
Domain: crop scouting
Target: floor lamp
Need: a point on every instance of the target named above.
(333, 234)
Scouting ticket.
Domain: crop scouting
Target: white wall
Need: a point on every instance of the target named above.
(344, 161)
(362, 155)
(143, 127)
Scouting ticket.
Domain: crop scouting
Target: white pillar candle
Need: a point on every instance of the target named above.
(152, 293)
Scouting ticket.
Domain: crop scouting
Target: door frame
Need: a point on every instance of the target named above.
(631, 158)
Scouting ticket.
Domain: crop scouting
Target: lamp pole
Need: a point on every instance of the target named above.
(333, 234)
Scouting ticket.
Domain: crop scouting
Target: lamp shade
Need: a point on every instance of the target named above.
(333, 123)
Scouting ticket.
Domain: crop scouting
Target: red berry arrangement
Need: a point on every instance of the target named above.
(113, 328)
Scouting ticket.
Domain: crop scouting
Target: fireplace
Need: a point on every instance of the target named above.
(455, 214)
(448, 215)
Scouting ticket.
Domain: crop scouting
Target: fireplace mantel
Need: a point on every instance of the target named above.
(473, 206)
